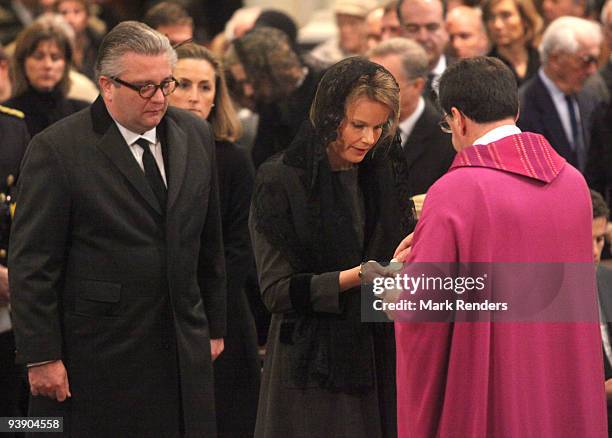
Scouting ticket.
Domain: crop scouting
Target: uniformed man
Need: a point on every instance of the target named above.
(15, 137)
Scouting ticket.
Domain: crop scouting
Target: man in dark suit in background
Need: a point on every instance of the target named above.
(553, 102)
(423, 22)
(428, 151)
(117, 267)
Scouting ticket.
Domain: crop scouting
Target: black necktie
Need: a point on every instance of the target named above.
(573, 122)
(152, 173)
(430, 91)
(577, 145)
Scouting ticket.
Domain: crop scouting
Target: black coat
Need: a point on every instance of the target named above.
(538, 114)
(429, 152)
(43, 109)
(126, 297)
(237, 369)
(292, 183)
(533, 64)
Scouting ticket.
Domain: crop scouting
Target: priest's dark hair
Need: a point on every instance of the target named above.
(483, 89)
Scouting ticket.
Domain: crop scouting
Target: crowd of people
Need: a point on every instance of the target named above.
(189, 212)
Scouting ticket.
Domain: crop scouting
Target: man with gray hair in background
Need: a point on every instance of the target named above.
(117, 267)
(553, 102)
(428, 151)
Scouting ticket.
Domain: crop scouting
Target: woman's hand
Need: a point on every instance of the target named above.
(403, 249)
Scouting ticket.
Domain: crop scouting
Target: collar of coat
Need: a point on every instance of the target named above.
(102, 120)
(524, 154)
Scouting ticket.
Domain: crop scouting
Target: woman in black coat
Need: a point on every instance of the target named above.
(202, 90)
(41, 65)
(328, 203)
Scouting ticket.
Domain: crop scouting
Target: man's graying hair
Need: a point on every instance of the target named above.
(126, 37)
(415, 63)
(566, 34)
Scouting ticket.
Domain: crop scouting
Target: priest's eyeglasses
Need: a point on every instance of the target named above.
(147, 91)
(444, 126)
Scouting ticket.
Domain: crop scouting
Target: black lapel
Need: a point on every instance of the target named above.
(550, 119)
(176, 152)
(112, 144)
(416, 143)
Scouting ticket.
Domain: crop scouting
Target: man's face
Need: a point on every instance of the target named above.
(352, 32)
(75, 13)
(177, 33)
(553, 9)
(467, 38)
(125, 105)
(410, 90)
(599, 233)
(571, 70)
(423, 21)
(374, 26)
(390, 25)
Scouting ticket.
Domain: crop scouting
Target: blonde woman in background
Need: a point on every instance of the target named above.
(202, 90)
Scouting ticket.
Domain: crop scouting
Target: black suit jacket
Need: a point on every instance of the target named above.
(538, 114)
(428, 151)
(126, 296)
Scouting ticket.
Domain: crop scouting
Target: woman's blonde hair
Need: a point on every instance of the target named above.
(532, 21)
(223, 117)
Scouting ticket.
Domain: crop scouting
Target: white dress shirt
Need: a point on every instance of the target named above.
(407, 125)
(154, 144)
(437, 72)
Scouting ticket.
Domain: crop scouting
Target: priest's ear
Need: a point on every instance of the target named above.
(457, 119)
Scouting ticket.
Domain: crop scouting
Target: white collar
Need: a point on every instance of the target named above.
(130, 137)
(550, 85)
(440, 66)
(498, 133)
(407, 125)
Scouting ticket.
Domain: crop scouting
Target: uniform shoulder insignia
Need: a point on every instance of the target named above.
(12, 112)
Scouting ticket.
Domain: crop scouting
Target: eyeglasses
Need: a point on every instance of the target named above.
(444, 126)
(588, 60)
(147, 91)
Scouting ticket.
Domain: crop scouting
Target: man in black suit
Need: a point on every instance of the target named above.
(553, 102)
(423, 22)
(117, 267)
(428, 151)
